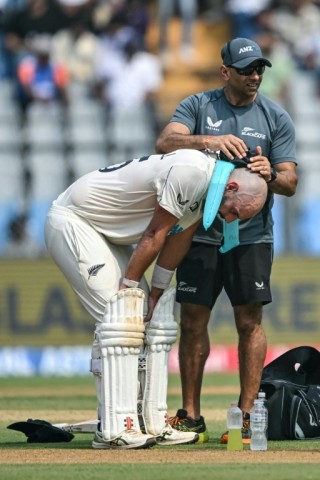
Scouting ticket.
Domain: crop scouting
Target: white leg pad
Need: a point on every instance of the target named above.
(96, 368)
(120, 338)
(161, 333)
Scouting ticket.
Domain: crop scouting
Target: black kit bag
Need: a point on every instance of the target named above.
(291, 383)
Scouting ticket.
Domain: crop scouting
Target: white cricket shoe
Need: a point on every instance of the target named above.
(125, 440)
(170, 436)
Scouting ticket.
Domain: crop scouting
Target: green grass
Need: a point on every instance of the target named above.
(40, 394)
(163, 472)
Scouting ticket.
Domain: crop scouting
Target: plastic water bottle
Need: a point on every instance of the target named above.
(234, 426)
(259, 424)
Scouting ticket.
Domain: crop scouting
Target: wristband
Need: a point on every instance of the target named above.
(273, 175)
(130, 283)
(161, 277)
(206, 143)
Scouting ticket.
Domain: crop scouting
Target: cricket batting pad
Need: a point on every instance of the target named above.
(161, 333)
(120, 339)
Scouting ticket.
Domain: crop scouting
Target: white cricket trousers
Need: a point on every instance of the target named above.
(93, 266)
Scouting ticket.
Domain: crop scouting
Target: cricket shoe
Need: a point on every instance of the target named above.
(245, 431)
(127, 439)
(183, 423)
(170, 436)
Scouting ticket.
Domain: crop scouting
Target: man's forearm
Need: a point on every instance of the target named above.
(176, 247)
(142, 257)
(175, 141)
(285, 183)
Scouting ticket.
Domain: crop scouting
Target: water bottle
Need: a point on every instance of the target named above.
(234, 426)
(259, 424)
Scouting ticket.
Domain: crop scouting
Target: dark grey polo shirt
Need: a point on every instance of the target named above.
(262, 123)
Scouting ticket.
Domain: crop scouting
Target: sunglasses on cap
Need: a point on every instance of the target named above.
(247, 71)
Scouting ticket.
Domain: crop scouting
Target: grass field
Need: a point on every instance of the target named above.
(72, 400)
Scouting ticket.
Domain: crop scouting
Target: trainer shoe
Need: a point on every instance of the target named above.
(183, 423)
(170, 436)
(125, 440)
(245, 431)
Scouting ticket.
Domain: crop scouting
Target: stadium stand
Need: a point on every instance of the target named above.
(50, 145)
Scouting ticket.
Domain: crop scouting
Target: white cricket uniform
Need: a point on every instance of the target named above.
(91, 227)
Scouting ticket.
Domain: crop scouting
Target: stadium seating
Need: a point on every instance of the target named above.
(12, 189)
(49, 177)
(84, 161)
(309, 226)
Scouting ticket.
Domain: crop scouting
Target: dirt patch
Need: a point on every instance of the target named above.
(154, 455)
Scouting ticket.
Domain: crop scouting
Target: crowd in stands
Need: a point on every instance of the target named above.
(79, 86)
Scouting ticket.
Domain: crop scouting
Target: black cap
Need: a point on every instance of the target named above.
(241, 52)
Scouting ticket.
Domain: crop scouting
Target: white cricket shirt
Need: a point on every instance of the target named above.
(119, 200)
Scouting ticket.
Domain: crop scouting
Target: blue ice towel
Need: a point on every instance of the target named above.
(220, 176)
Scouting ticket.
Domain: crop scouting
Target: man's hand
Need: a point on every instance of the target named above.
(154, 296)
(260, 164)
(230, 145)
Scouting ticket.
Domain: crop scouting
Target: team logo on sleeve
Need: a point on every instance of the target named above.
(180, 201)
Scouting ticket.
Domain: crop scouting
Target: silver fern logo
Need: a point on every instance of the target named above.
(95, 269)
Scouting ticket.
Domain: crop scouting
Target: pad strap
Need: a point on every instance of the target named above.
(120, 338)
(161, 333)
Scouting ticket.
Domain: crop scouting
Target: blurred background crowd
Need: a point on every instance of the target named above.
(87, 83)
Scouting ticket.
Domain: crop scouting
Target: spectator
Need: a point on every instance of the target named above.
(103, 12)
(37, 17)
(75, 48)
(243, 16)
(297, 22)
(128, 81)
(20, 243)
(76, 11)
(188, 11)
(7, 7)
(311, 49)
(112, 41)
(38, 77)
(133, 79)
(277, 80)
(139, 18)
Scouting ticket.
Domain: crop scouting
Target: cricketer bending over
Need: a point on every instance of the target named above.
(155, 202)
